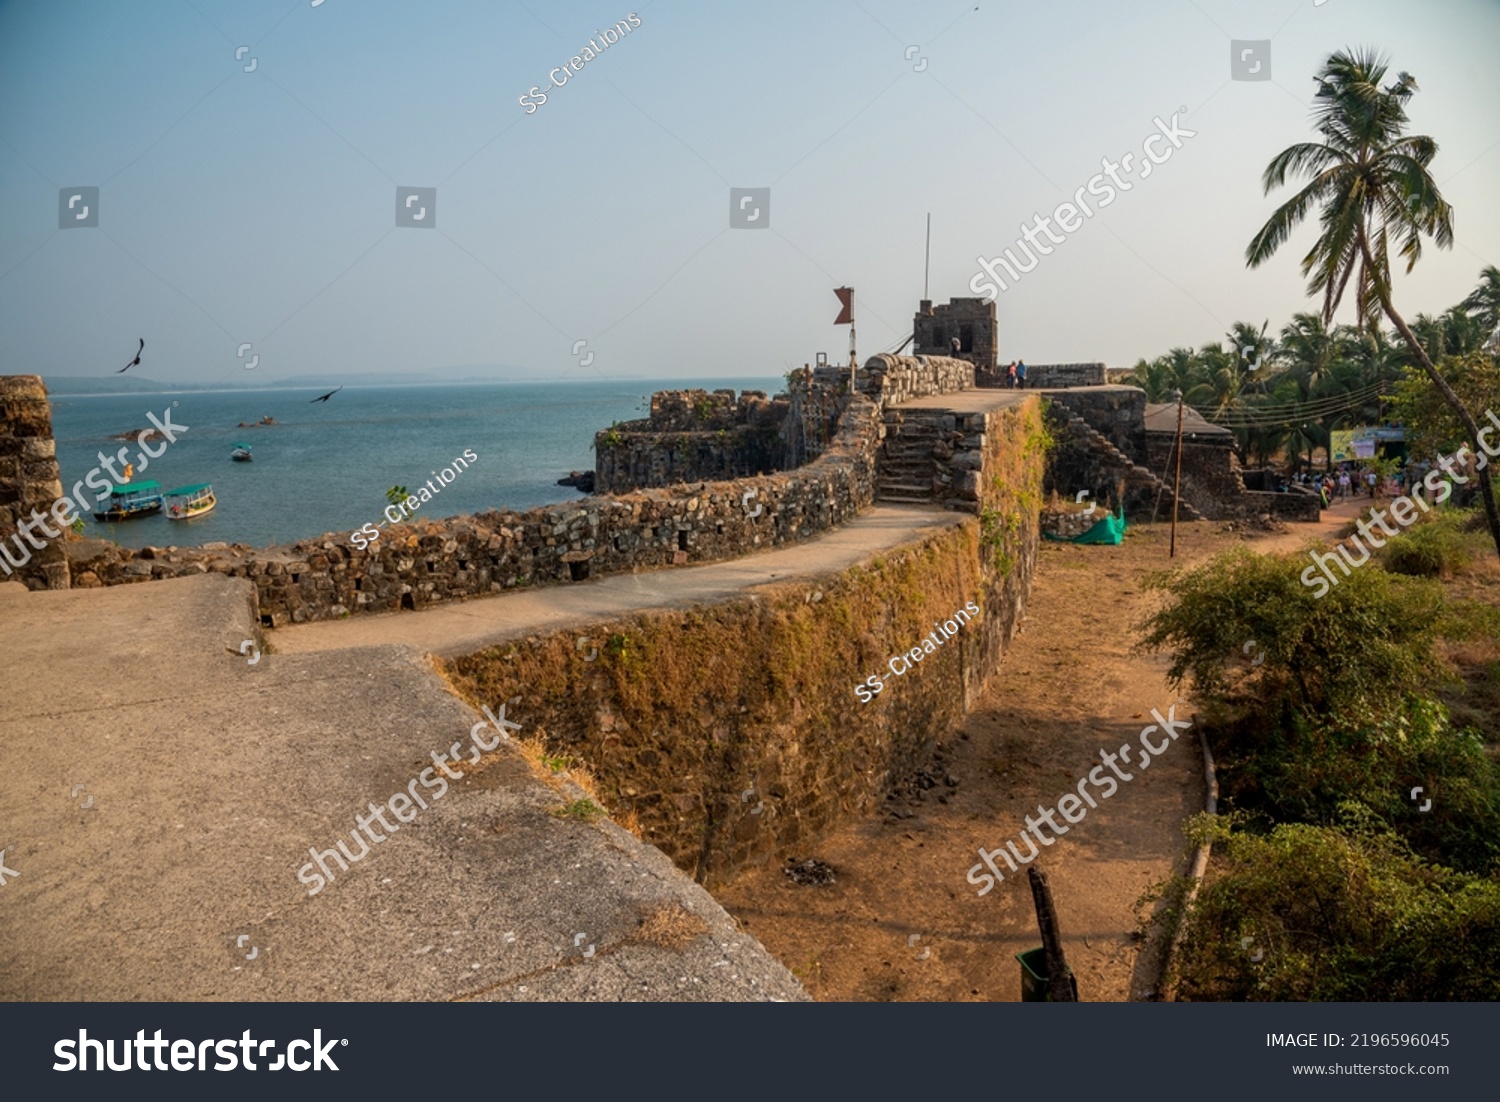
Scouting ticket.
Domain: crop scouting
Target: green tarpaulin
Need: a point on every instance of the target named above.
(1109, 530)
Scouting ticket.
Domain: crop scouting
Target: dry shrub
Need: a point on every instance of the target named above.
(669, 926)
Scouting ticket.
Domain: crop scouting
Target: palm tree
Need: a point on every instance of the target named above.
(1463, 332)
(1254, 347)
(1153, 377)
(1217, 379)
(1432, 333)
(1484, 302)
(1309, 352)
(1372, 183)
(1159, 378)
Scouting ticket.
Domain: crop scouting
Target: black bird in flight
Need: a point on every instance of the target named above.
(135, 362)
(325, 397)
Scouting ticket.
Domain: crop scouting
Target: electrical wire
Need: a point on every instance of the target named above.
(1269, 416)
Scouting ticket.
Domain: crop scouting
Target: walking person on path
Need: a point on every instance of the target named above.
(1010, 375)
(1021, 374)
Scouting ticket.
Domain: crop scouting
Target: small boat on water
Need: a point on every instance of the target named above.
(187, 502)
(241, 453)
(136, 499)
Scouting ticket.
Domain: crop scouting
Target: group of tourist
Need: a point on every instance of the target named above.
(1348, 482)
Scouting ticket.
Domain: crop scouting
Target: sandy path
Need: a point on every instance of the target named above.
(1069, 686)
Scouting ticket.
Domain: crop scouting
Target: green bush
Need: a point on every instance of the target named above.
(1313, 771)
(1428, 550)
(1243, 628)
(1336, 914)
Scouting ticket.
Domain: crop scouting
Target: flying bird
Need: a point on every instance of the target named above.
(135, 362)
(325, 397)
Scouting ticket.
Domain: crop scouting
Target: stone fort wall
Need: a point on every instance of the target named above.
(29, 480)
(422, 562)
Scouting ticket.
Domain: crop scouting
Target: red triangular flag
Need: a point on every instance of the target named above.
(846, 315)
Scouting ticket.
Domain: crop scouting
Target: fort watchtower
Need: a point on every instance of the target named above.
(972, 321)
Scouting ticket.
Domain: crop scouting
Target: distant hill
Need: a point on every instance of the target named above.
(132, 384)
(64, 385)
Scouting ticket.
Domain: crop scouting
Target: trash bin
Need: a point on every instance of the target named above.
(1034, 976)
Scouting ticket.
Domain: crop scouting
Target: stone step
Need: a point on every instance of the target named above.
(893, 499)
(905, 487)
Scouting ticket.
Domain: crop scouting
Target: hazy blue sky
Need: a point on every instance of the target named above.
(259, 207)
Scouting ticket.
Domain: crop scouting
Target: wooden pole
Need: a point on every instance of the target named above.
(1060, 984)
(1176, 480)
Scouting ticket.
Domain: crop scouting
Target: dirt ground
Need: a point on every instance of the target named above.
(900, 921)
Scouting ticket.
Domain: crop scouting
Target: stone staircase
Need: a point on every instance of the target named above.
(906, 470)
(1111, 457)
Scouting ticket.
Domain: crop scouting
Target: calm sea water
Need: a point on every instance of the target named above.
(326, 467)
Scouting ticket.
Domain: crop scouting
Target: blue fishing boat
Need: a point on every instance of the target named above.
(136, 499)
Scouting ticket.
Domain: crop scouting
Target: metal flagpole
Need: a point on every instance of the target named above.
(927, 262)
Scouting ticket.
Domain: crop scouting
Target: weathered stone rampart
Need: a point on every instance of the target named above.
(1216, 486)
(891, 380)
(427, 562)
(697, 436)
(1043, 376)
(421, 563)
(1117, 412)
(29, 481)
(693, 436)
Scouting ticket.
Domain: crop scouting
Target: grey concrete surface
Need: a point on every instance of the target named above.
(207, 779)
(978, 400)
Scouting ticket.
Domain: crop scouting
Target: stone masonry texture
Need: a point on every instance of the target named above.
(29, 480)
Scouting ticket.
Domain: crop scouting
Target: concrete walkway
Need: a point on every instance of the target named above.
(159, 793)
(978, 400)
(462, 628)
